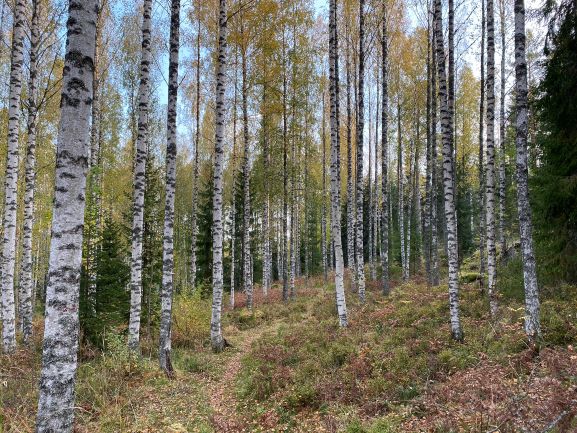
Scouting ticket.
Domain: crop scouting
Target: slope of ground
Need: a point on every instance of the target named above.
(292, 369)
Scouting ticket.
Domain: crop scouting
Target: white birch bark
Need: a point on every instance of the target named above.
(434, 167)
(11, 181)
(350, 192)
(428, 162)
(246, 253)
(385, 157)
(324, 196)
(502, 173)
(482, 210)
(335, 150)
(448, 186)
(217, 340)
(194, 210)
(532, 320)
(26, 287)
(267, 252)
(165, 347)
(233, 210)
(360, 260)
(61, 326)
(490, 168)
(139, 185)
(401, 192)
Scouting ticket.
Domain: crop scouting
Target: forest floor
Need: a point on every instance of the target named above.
(290, 368)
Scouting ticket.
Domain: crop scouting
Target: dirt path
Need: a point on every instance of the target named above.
(221, 392)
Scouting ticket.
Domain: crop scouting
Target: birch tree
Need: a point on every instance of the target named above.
(193, 222)
(11, 181)
(61, 327)
(350, 193)
(216, 338)
(448, 185)
(25, 293)
(360, 260)
(139, 185)
(164, 349)
(532, 320)
(385, 156)
(246, 255)
(434, 167)
(502, 173)
(490, 169)
(482, 210)
(335, 150)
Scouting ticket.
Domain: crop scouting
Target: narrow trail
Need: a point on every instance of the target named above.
(222, 400)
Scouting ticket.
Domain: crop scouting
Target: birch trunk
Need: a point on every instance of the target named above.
(502, 173)
(385, 158)
(428, 162)
(490, 169)
(401, 189)
(532, 321)
(61, 327)
(193, 222)
(409, 211)
(448, 186)
(11, 181)
(267, 253)
(26, 287)
(350, 192)
(360, 155)
(164, 350)
(324, 199)
(246, 255)
(216, 338)
(482, 210)
(233, 210)
(285, 286)
(370, 189)
(434, 167)
(140, 181)
(335, 150)
(375, 206)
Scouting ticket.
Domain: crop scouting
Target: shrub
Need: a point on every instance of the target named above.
(190, 320)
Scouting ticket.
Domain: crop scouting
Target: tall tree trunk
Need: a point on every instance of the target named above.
(490, 171)
(434, 166)
(11, 182)
(409, 209)
(449, 187)
(165, 348)
(193, 222)
(350, 193)
(233, 210)
(216, 338)
(246, 254)
(140, 181)
(360, 155)
(428, 161)
(335, 150)
(324, 197)
(375, 206)
(532, 321)
(401, 190)
(285, 285)
(385, 156)
(502, 173)
(26, 287)
(267, 253)
(482, 210)
(61, 327)
(370, 189)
